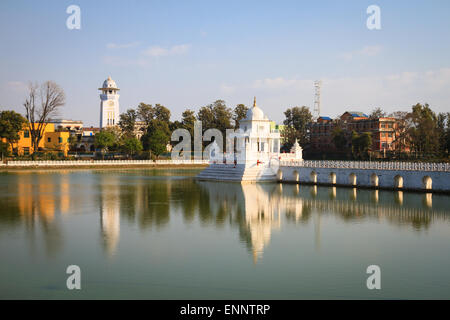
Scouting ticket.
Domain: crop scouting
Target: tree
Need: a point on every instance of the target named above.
(239, 113)
(42, 103)
(4, 149)
(104, 140)
(402, 138)
(377, 113)
(206, 116)
(161, 113)
(447, 136)
(127, 122)
(216, 115)
(188, 120)
(145, 113)
(423, 131)
(339, 139)
(156, 137)
(11, 123)
(131, 145)
(73, 141)
(361, 144)
(441, 131)
(297, 121)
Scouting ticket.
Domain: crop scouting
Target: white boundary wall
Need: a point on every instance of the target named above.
(57, 163)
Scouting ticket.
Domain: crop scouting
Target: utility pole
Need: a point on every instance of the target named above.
(317, 87)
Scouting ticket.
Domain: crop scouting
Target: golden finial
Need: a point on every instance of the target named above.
(254, 102)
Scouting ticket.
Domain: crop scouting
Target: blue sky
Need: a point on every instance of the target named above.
(186, 54)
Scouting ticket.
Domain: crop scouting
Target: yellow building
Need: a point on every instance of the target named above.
(52, 141)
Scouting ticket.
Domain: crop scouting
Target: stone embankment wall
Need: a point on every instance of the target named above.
(428, 177)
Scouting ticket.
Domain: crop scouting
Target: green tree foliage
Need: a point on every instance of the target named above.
(11, 123)
(4, 149)
(188, 120)
(161, 113)
(424, 131)
(105, 139)
(145, 113)
(297, 121)
(239, 113)
(157, 137)
(131, 145)
(216, 115)
(127, 122)
(361, 145)
(339, 139)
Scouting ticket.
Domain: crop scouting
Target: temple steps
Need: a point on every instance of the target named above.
(238, 173)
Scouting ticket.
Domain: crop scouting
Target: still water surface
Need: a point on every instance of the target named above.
(159, 234)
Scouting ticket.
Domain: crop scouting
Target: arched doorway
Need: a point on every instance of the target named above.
(333, 178)
(352, 179)
(279, 175)
(296, 176)
(427, 183)
(313, 177)
(398, 182)
(374, 180)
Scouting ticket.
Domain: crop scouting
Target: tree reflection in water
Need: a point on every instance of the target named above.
(148, 199)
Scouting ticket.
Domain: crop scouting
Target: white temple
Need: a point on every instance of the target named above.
(256, 155)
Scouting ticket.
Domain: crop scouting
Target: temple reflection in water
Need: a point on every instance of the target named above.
(258, 211)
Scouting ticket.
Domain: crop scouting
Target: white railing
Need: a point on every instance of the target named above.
(45, 163)
(411, 166)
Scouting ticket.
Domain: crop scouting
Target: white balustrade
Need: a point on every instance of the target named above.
(369, 165)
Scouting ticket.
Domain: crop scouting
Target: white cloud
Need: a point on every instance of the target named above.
(367, 51)
(144, 57)
(122, 45)
(391, 92)
(157, 51)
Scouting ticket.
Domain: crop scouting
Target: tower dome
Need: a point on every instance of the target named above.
(109, 84)
(255, 113)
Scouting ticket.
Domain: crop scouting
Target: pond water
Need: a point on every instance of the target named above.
(160, 234)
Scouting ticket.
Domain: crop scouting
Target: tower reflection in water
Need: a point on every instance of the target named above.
(110, 212)
(42, 201)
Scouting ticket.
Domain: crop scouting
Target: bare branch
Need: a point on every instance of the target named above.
(51, 97)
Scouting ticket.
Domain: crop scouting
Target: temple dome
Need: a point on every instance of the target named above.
(255, 113)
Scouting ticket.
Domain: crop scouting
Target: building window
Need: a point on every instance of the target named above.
(26, 150)
(49, 139)
(59, 140)
(26, 134)
(390, 134)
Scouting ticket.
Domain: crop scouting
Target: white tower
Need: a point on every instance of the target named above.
(109, 104)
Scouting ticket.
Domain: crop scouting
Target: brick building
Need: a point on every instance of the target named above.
(385, 131)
